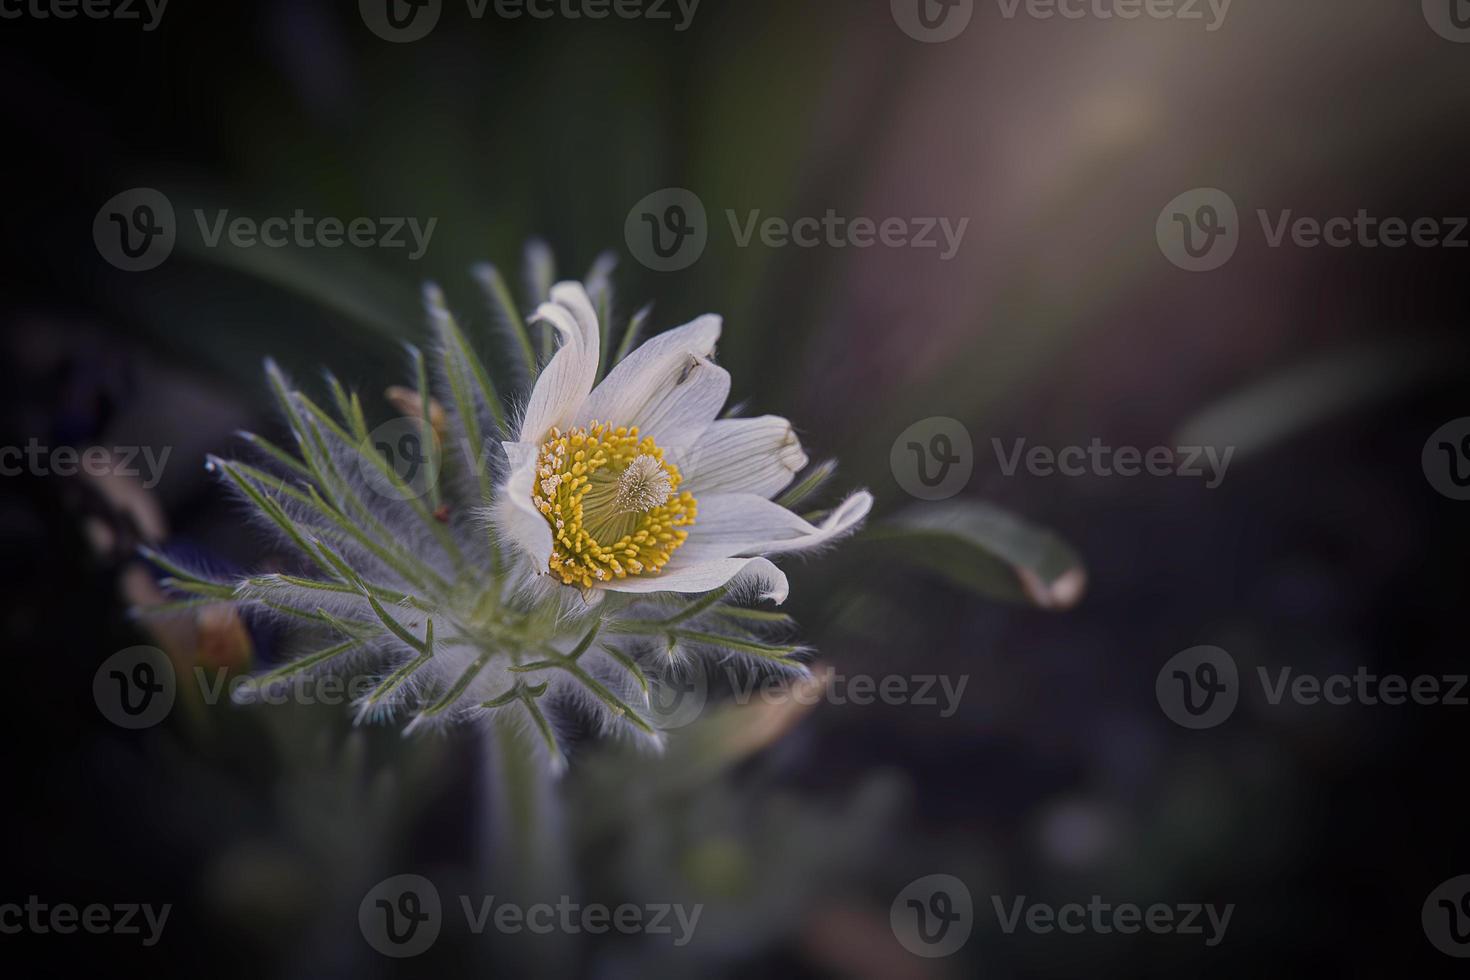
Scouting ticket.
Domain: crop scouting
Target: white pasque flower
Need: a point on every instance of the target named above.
(636, 485)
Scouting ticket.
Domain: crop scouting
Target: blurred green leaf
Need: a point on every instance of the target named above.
(986, 550)
(343, 283)
(1292, 401)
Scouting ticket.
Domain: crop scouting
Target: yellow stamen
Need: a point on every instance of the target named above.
(613, 504)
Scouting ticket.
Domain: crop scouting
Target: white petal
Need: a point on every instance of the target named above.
(515, 515)
(744, 524)
(707, 576)
(668, 387)
(759, 456)
(693, 403)
(565, 382)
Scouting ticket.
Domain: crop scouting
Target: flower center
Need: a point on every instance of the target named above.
(612, 503)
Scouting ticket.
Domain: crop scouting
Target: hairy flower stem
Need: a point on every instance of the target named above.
(526, 855)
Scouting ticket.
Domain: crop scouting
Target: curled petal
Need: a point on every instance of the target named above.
(745, 524)
(572, 296)
(565, 382)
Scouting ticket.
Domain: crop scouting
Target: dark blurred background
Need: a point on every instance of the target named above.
(1060, 320)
